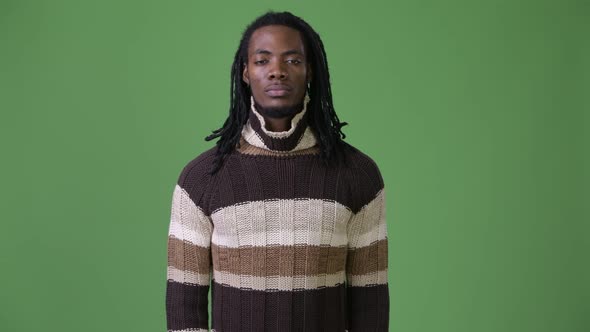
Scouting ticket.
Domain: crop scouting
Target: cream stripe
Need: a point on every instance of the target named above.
(368, 225)
(190, 330)
(188, 221)
(259, 223)
(279, 134)
(188, 277)
(374, 278)
(368, 238)
(307, 140)
(252, 137)
(278, 282)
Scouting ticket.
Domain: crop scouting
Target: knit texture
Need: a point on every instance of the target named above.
(283, 242)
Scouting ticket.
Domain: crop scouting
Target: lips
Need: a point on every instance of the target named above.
(278, 90)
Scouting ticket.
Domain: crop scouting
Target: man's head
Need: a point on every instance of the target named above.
(277, 70)
(278, 83)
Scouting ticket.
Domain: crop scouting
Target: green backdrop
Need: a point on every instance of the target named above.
(476, 112)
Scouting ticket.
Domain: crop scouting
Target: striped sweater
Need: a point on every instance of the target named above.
(283, 242)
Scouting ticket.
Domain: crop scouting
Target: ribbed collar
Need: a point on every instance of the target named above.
(300, 136)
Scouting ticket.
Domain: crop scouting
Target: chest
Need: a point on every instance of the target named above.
(291, 201)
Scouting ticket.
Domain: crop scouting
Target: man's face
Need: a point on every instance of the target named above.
(277, 70)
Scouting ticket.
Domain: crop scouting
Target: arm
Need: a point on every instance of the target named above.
(189, 263)
(366, 268)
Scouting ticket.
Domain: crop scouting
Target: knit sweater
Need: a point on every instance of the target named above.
(284, 242)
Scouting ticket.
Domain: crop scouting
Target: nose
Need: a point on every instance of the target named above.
(277, 71)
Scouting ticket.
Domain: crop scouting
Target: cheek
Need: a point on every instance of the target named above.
(304, 75)
(256, 73)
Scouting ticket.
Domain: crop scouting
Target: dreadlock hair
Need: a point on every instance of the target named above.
(322, 118)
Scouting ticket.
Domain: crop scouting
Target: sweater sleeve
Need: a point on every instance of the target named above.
(189, 258)
(366, 265)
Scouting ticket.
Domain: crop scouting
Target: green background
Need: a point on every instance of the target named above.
(476, 112)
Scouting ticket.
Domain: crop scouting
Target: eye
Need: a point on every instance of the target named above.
(260, 61)
(295, 61)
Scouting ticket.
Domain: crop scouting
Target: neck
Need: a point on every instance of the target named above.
(281, 135)
(278, 119)
(280, 124)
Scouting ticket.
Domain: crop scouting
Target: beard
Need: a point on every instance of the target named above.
(277, 112)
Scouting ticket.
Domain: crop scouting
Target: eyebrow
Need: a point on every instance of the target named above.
(263, 51)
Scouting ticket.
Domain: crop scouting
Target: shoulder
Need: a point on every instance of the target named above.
(366, 179)
(362, 161)
(197, 169)
(363, 165)
(195, 179)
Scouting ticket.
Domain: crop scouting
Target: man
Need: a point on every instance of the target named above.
(282, 219)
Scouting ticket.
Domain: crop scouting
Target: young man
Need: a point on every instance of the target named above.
(282, 219)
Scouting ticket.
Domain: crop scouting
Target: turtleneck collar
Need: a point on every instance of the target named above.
(300, 136)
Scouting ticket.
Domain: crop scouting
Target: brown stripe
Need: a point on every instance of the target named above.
(369, 259)
(187, 256)
(318, 310)
(368, 308)
(287, 261)
(254, 178)
(186, 306)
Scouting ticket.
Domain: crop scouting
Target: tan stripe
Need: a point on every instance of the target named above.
(288, 261)
(368, 259)
(186, 256)
(247, 148)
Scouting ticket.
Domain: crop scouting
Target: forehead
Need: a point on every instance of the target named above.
(275, 38)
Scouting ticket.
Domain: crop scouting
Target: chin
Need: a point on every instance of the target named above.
(283, 108)
(280, 102)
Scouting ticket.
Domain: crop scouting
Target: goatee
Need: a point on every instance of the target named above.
(278, 111)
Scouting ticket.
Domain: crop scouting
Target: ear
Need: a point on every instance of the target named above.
(245, 77)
